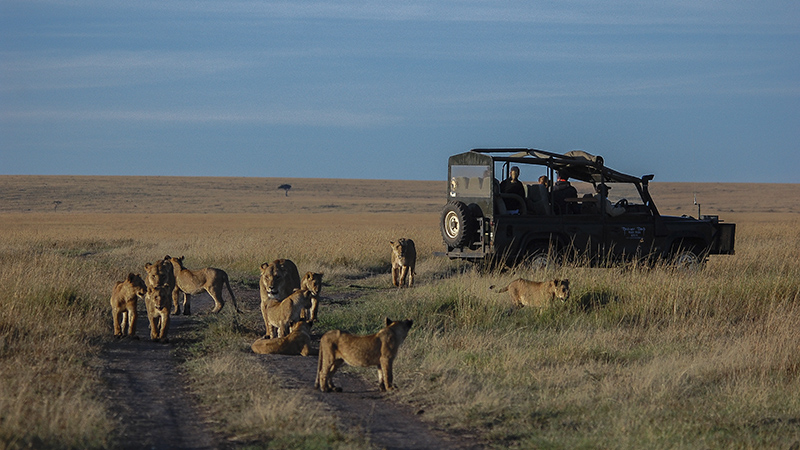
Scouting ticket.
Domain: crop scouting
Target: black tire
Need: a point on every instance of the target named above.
(457, 224)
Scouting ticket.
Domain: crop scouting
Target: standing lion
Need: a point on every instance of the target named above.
(404, 260)
(380, 349)
(124, 300)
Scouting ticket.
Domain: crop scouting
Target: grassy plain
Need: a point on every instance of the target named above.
(636, 359)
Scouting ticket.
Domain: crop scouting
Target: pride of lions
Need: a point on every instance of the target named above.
(289, 306)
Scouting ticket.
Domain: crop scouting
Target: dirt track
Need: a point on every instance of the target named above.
(159, 413)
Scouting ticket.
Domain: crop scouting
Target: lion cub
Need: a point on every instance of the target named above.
(192, 282)
(124, 300)
(313, 283)
(280, 315)
(380, 349)
(404, 260)
(536, 293)
(160, 283)
(298, 342)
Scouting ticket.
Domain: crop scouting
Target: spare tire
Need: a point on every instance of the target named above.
(458, 224)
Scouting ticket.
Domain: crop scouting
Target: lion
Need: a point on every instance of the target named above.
(404, 260)
(278, 280)
(159, 274)
(124, 300)
(280, 315)
(192, 282)
(160, 283)
(380, 349)
(157, 301)
(298, 342)
(313, 283)
(536, 293)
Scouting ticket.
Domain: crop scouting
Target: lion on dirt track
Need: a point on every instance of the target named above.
(536, 293)
(124, 300)
(192, 282)
(280, 315)
(160, 283)
(298, 342)
(380, 349)
(404, 261)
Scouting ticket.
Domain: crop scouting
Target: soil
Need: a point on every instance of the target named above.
(158, 412)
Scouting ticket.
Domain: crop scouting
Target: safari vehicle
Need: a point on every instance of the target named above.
(476, 224)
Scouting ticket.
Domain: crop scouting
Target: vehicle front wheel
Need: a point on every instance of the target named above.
(458, 225)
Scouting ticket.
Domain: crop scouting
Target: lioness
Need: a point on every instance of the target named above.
(404, 260)
(192, 282)
(313, 283)
(159, 274)
(298, 342)
(380, 349)
(280, 315)
(278, 280)
(124, 300)
(157, 301)
(536, 293)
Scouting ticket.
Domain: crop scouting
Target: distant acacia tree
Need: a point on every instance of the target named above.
(285, 188)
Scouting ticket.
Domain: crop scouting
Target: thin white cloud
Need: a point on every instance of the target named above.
(291, 117)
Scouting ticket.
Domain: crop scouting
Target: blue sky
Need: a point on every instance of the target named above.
(693, 90)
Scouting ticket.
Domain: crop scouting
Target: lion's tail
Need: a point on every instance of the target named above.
(492, 288)
(230, 291)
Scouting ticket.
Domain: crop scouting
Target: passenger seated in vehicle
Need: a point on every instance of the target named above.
(612, 209)
(563, 190)
(512, 185)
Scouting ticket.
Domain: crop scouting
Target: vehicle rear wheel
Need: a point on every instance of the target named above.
(688, 259)
(458, 225)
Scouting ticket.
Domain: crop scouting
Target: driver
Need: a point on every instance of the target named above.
(612, 209)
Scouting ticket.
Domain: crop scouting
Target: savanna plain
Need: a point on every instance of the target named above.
(637, 358)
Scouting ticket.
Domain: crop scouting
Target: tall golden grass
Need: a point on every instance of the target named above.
(636, 359)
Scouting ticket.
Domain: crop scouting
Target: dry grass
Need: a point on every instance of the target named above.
(636, 359)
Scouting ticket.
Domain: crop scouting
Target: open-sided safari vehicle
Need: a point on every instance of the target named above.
(609, 217)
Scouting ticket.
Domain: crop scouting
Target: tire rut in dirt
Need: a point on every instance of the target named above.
(147, 395)
(362, 407)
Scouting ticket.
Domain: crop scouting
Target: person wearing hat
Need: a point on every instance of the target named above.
(612, 209)
(562, 190)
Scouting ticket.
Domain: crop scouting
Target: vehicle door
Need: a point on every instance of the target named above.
(629, 222)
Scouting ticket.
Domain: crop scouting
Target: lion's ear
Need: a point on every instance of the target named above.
(147, 266)
(167, 257)
(264, 266)
(388, 321)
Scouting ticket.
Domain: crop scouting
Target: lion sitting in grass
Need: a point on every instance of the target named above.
(380, 349)
(404, 260)
(536, 293)
(192, 282)
(124, 300)
(298, 342)
(280, 315)
(313, 283)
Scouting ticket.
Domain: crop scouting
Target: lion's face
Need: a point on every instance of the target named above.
(399, 249)
(561, 289)
(160, 296)
(158, 274)
(302, 326)
(273, 277)
(313, 282)
(136, 282)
